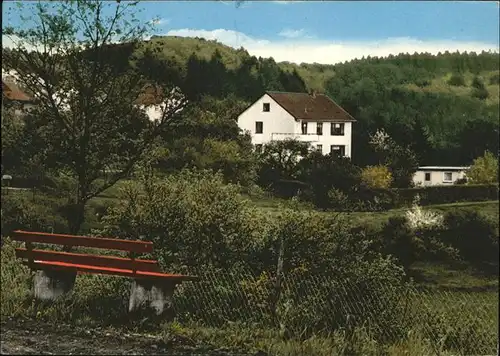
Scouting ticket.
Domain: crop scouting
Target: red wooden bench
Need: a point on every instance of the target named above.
(38, 259)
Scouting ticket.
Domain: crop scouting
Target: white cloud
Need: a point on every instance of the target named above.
(308, 50)
(289, 33)
(330, 51)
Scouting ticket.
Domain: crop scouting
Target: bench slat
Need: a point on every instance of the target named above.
(111, 271)
(87, 259)
(84, 241)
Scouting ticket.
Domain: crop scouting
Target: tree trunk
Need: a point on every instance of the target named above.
(75, 216)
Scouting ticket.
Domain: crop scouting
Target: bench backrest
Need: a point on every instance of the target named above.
(84, 241)
(132, 247)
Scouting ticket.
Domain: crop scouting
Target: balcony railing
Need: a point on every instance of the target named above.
(279, 136)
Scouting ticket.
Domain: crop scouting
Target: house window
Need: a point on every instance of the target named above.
(304, 128)
(259, 127)
(258, 148)
(337, 129)
(427, 176)
(319, 128)
(319, 148)
(266, 107)
(337, 150)
(447, 177)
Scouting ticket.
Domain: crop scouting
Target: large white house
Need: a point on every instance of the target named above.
(313, 118)
(438, 175)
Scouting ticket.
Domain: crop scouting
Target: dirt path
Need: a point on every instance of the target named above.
(38, 338)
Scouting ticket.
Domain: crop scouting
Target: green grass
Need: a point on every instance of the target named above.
(271, 205)
(447, 277)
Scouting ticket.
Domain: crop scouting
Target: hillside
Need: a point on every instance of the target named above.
(444, 106)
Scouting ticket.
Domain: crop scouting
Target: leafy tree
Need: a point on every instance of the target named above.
(280, 161)
(457, 80)
(208, 137)
(478, 83)
(89, 103)
(476, 137)
(480, 93)
(421, 144)
(401, 161)
(484, 170)
(12, 128)
(495, 79)
(323, 173)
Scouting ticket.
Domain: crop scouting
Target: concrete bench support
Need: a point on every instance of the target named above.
(49, 285)
(155, 295)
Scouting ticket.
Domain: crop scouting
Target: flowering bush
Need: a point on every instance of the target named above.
(418, 218)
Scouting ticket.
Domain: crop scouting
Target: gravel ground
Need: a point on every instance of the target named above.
(30, 337)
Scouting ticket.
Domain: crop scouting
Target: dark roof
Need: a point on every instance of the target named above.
(12, 92)
(304, 106)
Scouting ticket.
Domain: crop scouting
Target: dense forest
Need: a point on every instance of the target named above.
(445, 106)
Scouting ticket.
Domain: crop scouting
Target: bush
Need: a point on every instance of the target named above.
(474, 235)
(410, 241)
(477, 83)
(456, 80)
(193, 218)
(23, 212)
(481, 93)
(375, 199)
(444, 194)
(326, 172)
(484, 170)
(378, 177)
(422, 83)
(495, 79)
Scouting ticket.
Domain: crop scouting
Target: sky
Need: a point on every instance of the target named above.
(331, 31)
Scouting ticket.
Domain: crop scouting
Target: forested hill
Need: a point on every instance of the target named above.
(445, 106)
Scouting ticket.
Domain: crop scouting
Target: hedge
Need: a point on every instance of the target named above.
(444, 194)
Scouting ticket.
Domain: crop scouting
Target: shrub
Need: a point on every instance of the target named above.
(477, 83)
(20, 211)
(484, 170)
(378, 177)
(495, 79)
(375, 199)
(456, 80)
(444, 194)
(481, 93)
(325, 172)
(422, 83)
(193, 218)
(474, 235)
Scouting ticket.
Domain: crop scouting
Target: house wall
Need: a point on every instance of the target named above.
(278, 124)
(327, 139)
(437, 177)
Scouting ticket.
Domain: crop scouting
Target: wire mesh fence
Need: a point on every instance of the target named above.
(301, 306)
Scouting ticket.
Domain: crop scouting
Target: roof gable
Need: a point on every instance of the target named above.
(303, 106)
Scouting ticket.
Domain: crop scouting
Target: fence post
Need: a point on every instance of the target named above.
(278, 280)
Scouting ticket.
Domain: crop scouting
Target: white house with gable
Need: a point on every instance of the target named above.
(313, 118)
(439, 175)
